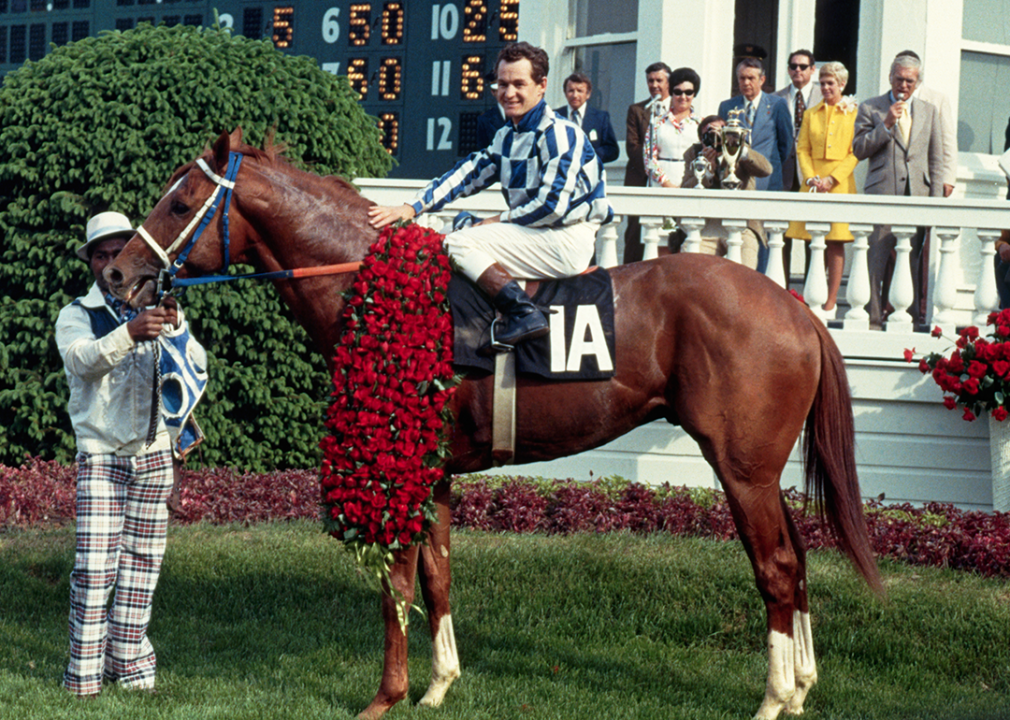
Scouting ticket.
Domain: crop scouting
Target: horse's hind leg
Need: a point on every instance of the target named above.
(395, 681)
(805, 670)
(435, 581)
(773, 547)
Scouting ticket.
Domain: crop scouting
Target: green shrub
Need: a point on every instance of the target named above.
(99, 125)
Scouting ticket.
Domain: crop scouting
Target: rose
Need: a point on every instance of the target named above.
(392, 383)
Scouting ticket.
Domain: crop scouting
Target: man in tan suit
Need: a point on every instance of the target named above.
(903, 141)
(657, 76)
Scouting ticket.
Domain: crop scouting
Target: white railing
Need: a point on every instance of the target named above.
(962, 247)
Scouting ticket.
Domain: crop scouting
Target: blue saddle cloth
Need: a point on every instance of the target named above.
(580, 345)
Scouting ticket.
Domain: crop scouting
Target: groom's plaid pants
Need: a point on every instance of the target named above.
(122, 520)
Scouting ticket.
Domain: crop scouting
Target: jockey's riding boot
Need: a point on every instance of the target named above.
(521, 319)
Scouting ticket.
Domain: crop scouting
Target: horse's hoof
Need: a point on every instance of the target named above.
(769, 710)
(376, 709)
(437, 690)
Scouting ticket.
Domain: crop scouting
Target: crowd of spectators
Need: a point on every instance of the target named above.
(806, 137)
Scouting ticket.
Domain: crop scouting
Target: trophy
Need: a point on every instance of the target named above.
(734, 143)
(701, 168)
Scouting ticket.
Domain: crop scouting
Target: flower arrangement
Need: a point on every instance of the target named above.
(388, 421)
(847, 104)
(976, 375)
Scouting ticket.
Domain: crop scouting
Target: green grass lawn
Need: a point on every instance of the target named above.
(271, 621)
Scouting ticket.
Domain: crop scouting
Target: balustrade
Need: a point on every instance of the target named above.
(959, 265)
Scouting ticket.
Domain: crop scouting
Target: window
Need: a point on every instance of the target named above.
(982, 123)
(595, 17)
(985, 74)
(986, 21)
(611, 69)
(610, 64)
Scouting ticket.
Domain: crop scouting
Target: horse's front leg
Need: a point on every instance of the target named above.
(395, 683)
(435, 581)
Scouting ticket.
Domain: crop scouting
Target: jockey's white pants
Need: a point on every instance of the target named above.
(525, 252)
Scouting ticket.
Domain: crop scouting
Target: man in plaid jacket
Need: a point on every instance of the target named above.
(553, 183)
(125, 470)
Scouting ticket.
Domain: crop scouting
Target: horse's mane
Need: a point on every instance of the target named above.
(272, 155)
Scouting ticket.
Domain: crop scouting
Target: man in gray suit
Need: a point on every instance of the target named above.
(904, 144)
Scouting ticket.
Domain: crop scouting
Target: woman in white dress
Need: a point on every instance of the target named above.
(673, 128)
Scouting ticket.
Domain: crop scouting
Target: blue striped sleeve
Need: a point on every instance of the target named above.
(470, 175)
(562, 156)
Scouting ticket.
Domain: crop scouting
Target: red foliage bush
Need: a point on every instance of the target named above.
(37, 492)
(934, 535)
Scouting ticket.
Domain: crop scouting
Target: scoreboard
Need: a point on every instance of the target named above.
(419, 66)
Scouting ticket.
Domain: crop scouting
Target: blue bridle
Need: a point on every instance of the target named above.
(225, 187)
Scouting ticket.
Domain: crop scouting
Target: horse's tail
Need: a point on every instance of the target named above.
(830, 459)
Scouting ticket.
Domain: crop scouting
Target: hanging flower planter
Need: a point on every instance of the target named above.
(975, 378)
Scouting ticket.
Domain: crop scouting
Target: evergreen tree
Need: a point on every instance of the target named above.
(100, 124)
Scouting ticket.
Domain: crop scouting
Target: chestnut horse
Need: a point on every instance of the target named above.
(705, 343)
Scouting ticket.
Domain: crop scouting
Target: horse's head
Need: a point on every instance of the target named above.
(186, 233)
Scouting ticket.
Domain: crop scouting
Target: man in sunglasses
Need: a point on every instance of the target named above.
(800, 95)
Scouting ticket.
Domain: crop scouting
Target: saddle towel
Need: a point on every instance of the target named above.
(183, 371)
(580, 345)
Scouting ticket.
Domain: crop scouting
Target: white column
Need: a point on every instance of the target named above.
(692, 234)
(986, 295)
(734, 243)
(902, 293)
(815, 290)
(775, 229)
(606, 244)
(945, 289)
(650, 236)
(858, 290)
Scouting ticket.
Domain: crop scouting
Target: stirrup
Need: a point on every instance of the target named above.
(495, 346)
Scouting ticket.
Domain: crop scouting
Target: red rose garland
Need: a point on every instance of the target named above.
(388, 419)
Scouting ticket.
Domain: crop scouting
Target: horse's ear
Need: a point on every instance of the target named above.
(236, 136)
(222, 150)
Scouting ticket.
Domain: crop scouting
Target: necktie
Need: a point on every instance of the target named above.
(905, 126)
(798, 115)
(751, 111)
(577, 118)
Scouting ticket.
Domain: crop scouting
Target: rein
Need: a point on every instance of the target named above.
(167, 280)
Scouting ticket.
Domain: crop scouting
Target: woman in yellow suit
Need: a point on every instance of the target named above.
(824, 151)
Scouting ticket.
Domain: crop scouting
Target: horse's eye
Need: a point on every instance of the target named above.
(178, 208)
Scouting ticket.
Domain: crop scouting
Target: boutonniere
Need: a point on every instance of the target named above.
(847, 104)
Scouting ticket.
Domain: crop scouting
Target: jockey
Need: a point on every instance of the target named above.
(553, 184)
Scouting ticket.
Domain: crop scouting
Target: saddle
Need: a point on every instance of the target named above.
(580, 345)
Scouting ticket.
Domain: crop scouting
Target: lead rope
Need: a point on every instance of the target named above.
(152, 428)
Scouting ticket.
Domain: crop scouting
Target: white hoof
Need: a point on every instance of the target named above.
(444, 664)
